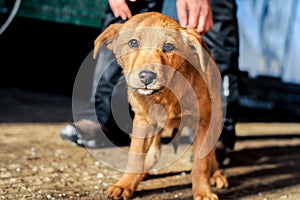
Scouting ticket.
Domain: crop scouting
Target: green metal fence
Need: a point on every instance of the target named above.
(78, 12)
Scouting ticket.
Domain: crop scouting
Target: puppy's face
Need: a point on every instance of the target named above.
(149, 57)
(150, 48)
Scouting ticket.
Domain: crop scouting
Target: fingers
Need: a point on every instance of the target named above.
(205, 21)
(182, 12)
(120, 8)
(195, 14)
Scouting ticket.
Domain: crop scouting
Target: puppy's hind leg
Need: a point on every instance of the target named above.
(153, 153)
(217, 178)
(201, 170)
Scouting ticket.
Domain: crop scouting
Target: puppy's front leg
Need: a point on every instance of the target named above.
(141, 141)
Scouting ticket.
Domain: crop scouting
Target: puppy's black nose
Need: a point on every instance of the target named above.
(147, 77)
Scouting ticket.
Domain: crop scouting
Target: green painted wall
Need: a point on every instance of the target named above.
(78, 12)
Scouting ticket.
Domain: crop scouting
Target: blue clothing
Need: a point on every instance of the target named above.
(269, 43)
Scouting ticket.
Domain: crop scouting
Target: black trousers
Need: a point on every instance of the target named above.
(223, 42)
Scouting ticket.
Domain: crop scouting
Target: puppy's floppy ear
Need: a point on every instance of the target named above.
(106, 38)
(194, 40)
(201, 56)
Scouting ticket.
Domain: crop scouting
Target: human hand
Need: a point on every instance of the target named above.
(120, 8)
(195, 14)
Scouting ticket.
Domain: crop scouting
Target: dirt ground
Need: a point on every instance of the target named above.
(35, 163)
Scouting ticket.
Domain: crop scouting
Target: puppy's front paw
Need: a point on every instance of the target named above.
(206, 196)
(118, 192)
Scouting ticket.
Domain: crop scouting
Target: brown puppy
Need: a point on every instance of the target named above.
(167, 65)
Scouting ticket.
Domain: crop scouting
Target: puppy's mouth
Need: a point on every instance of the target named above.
(146, 91)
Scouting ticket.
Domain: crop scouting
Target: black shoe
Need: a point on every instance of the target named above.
(71, 134)
(89, 134)
(74, 134)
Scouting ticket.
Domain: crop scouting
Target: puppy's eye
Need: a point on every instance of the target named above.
(168, 47)
(133, 43)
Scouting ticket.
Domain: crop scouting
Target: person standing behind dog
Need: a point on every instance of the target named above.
(214, 19)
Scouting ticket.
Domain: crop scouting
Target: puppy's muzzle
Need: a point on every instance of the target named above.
(147, 77)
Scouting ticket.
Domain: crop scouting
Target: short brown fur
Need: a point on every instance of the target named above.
(169, 89)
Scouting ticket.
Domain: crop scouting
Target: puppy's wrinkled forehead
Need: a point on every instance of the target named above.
(150, 20)
(150, 30)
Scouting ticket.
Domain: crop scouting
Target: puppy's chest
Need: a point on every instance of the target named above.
(168, 108)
